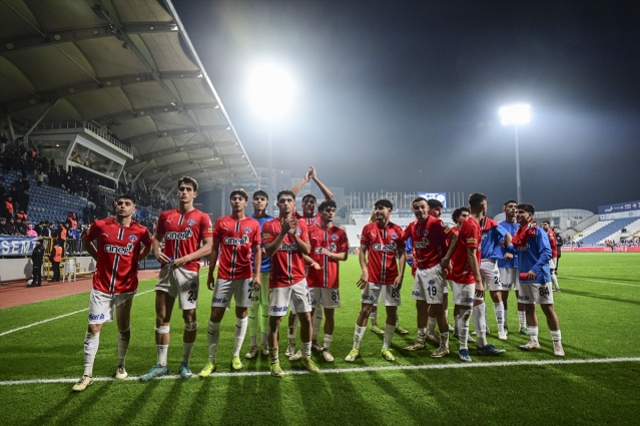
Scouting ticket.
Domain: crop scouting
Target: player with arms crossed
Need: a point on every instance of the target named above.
(329, 246)
(553, 262)
(184, 230)
(234, 237)
(117, 252)
(508, 267)
(381, 276)
(534, 253)
(286, 240)
(429, 237)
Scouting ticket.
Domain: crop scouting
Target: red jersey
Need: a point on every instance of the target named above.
(449, 271)
(470, 235)
(553, 243)
(310, 221)
(429, 241)
(118, 254)
(183, 233)
(287, 264)
(237, 238)
(334, 240)
(383, 243)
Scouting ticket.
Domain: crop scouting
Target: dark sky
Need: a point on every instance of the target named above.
(404, 95)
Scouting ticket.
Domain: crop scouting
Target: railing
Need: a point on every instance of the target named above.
(106, 135)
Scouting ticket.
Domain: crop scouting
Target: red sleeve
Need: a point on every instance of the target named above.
(217, 229)
(146, 238)
(364, 238)
(94, 231)
(343, 242)
(408, 230)
(205, 226)
(304, 235)
(255, 240)
(471, 235)
(160, 228)
(401, 238)
(268, 233)
(445, 228)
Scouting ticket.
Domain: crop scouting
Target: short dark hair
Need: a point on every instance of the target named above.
(327, 204)
(260, 193)
(286, 192)
(547, 222)
(506, 203)
(310, 196)
(457, 212)
(418, 200)
(384, 203)
(476, 199)
(529, 208)
(241, 192)
(432, 202)
(127, 196)
(190, 180)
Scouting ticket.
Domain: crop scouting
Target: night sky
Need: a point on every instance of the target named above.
(405, 95)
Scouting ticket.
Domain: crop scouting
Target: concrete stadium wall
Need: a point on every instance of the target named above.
(16, 269)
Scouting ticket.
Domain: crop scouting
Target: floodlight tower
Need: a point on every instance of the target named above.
(271, 89)
(513, 115)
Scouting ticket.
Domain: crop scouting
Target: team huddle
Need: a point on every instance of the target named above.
(290, 264)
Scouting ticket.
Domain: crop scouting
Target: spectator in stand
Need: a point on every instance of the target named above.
(55, 257)
(40, 177)
(11, 226)
(3, 227)
(20, 228)
(46, 230)
(61, 235)
(38, 228)
(30, 231)
(37, 255)
(23, 201)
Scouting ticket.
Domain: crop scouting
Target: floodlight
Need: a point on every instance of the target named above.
(271, 89)
(515, 114)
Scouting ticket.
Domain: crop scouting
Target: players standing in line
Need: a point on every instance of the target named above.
(534, 253)
(329, 245)
(509, 274)
(235, 237)
(286, 240)
(118, 249)
(553, 262)
(381, 276)
(311, 218)
(494, 237)
(184, 230)
(259, 311)
(466, 283)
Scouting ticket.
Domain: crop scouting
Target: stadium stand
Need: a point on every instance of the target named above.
(626, 230)
(607, 231)
(590, 230)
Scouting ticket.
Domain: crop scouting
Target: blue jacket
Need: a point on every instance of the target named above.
(535, 255)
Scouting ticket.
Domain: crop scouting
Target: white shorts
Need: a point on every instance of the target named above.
(553, 263)
(180, 283)
(261, 297)
(241, 290)
(510, 278)
(296, 295)
(429, 285)
(327, 297)
(387, 295)
(535, 293)
(462, 293)
(102, 305)
(490, 274)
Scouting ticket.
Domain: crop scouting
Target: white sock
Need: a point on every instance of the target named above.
(422, 335)
(263, 338)
(253, 319)
(213, 337)
(186, 351)
(444, 339)
(123, 346)
(431, 326)
(556, 336)
(486, 321)
(240, 331)
(162, 354)
(479, 322)
(522, 318)
(499, 308)
(554, 279)
(533, 333)
(463, 327)
(327, 341)
(306, 350)
(316, 323)
(388, 335)
(374, 318)
(456, 319)
(397, 319)
(358, 336)
(504, 318)
(273, 354)
(91, 343)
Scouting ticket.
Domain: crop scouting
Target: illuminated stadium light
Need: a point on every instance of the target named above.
(515, 114)
(271, 89)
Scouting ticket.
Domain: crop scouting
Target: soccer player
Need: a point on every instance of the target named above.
(458, 216)
(508, 267)
(534, 253)
(187, 233)
(119, 242)
(311, 218)
(259, 311)
(429, 237)
(466, 281)
(494, 237)
(235, 237)
(286, 240)
(553, 262)
(329, 245)
(381, 276)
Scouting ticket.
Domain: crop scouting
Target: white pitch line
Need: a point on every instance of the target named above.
(596, 281)
(55, 318)
(352, 370)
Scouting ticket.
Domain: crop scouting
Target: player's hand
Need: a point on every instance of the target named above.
(286, 225)
(397, 283)
(179, 262)
(162, 258)
(316, 266)
(479, 286)
(326, 252)
(256, 283)
(365, 276)
(531, 276)
(444, 265)
(264, 252)
(361, 284)
(312, 172)
(293, 226)
(211, 282)
(508, 256)
(502, 244)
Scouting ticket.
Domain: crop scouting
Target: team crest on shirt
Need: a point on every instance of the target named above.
(299, 232)
(394, 235)
(425, 232)
(247, 230)
(334, 237)
(133, 238)
(191, 222)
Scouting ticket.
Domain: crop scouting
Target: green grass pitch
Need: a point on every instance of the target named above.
(598, 311)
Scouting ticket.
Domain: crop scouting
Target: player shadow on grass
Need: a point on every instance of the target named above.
(164, 414)
(135, 406)
(599, 296)
(262, 393)
(401, 400)
(74, 405)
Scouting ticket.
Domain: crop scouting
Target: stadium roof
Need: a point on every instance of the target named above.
(127, 65)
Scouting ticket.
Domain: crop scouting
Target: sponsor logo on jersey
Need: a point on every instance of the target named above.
(105, 234)
(179, 235)
(191, 222)
(471, 240)
(288, 247)
(220, 300)
(110, 248)
(421, 244)
(266, 235)
(467, 300)
(133, 238)
(230, 241)
(96, 317)
(385, 247)
(278, 308)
